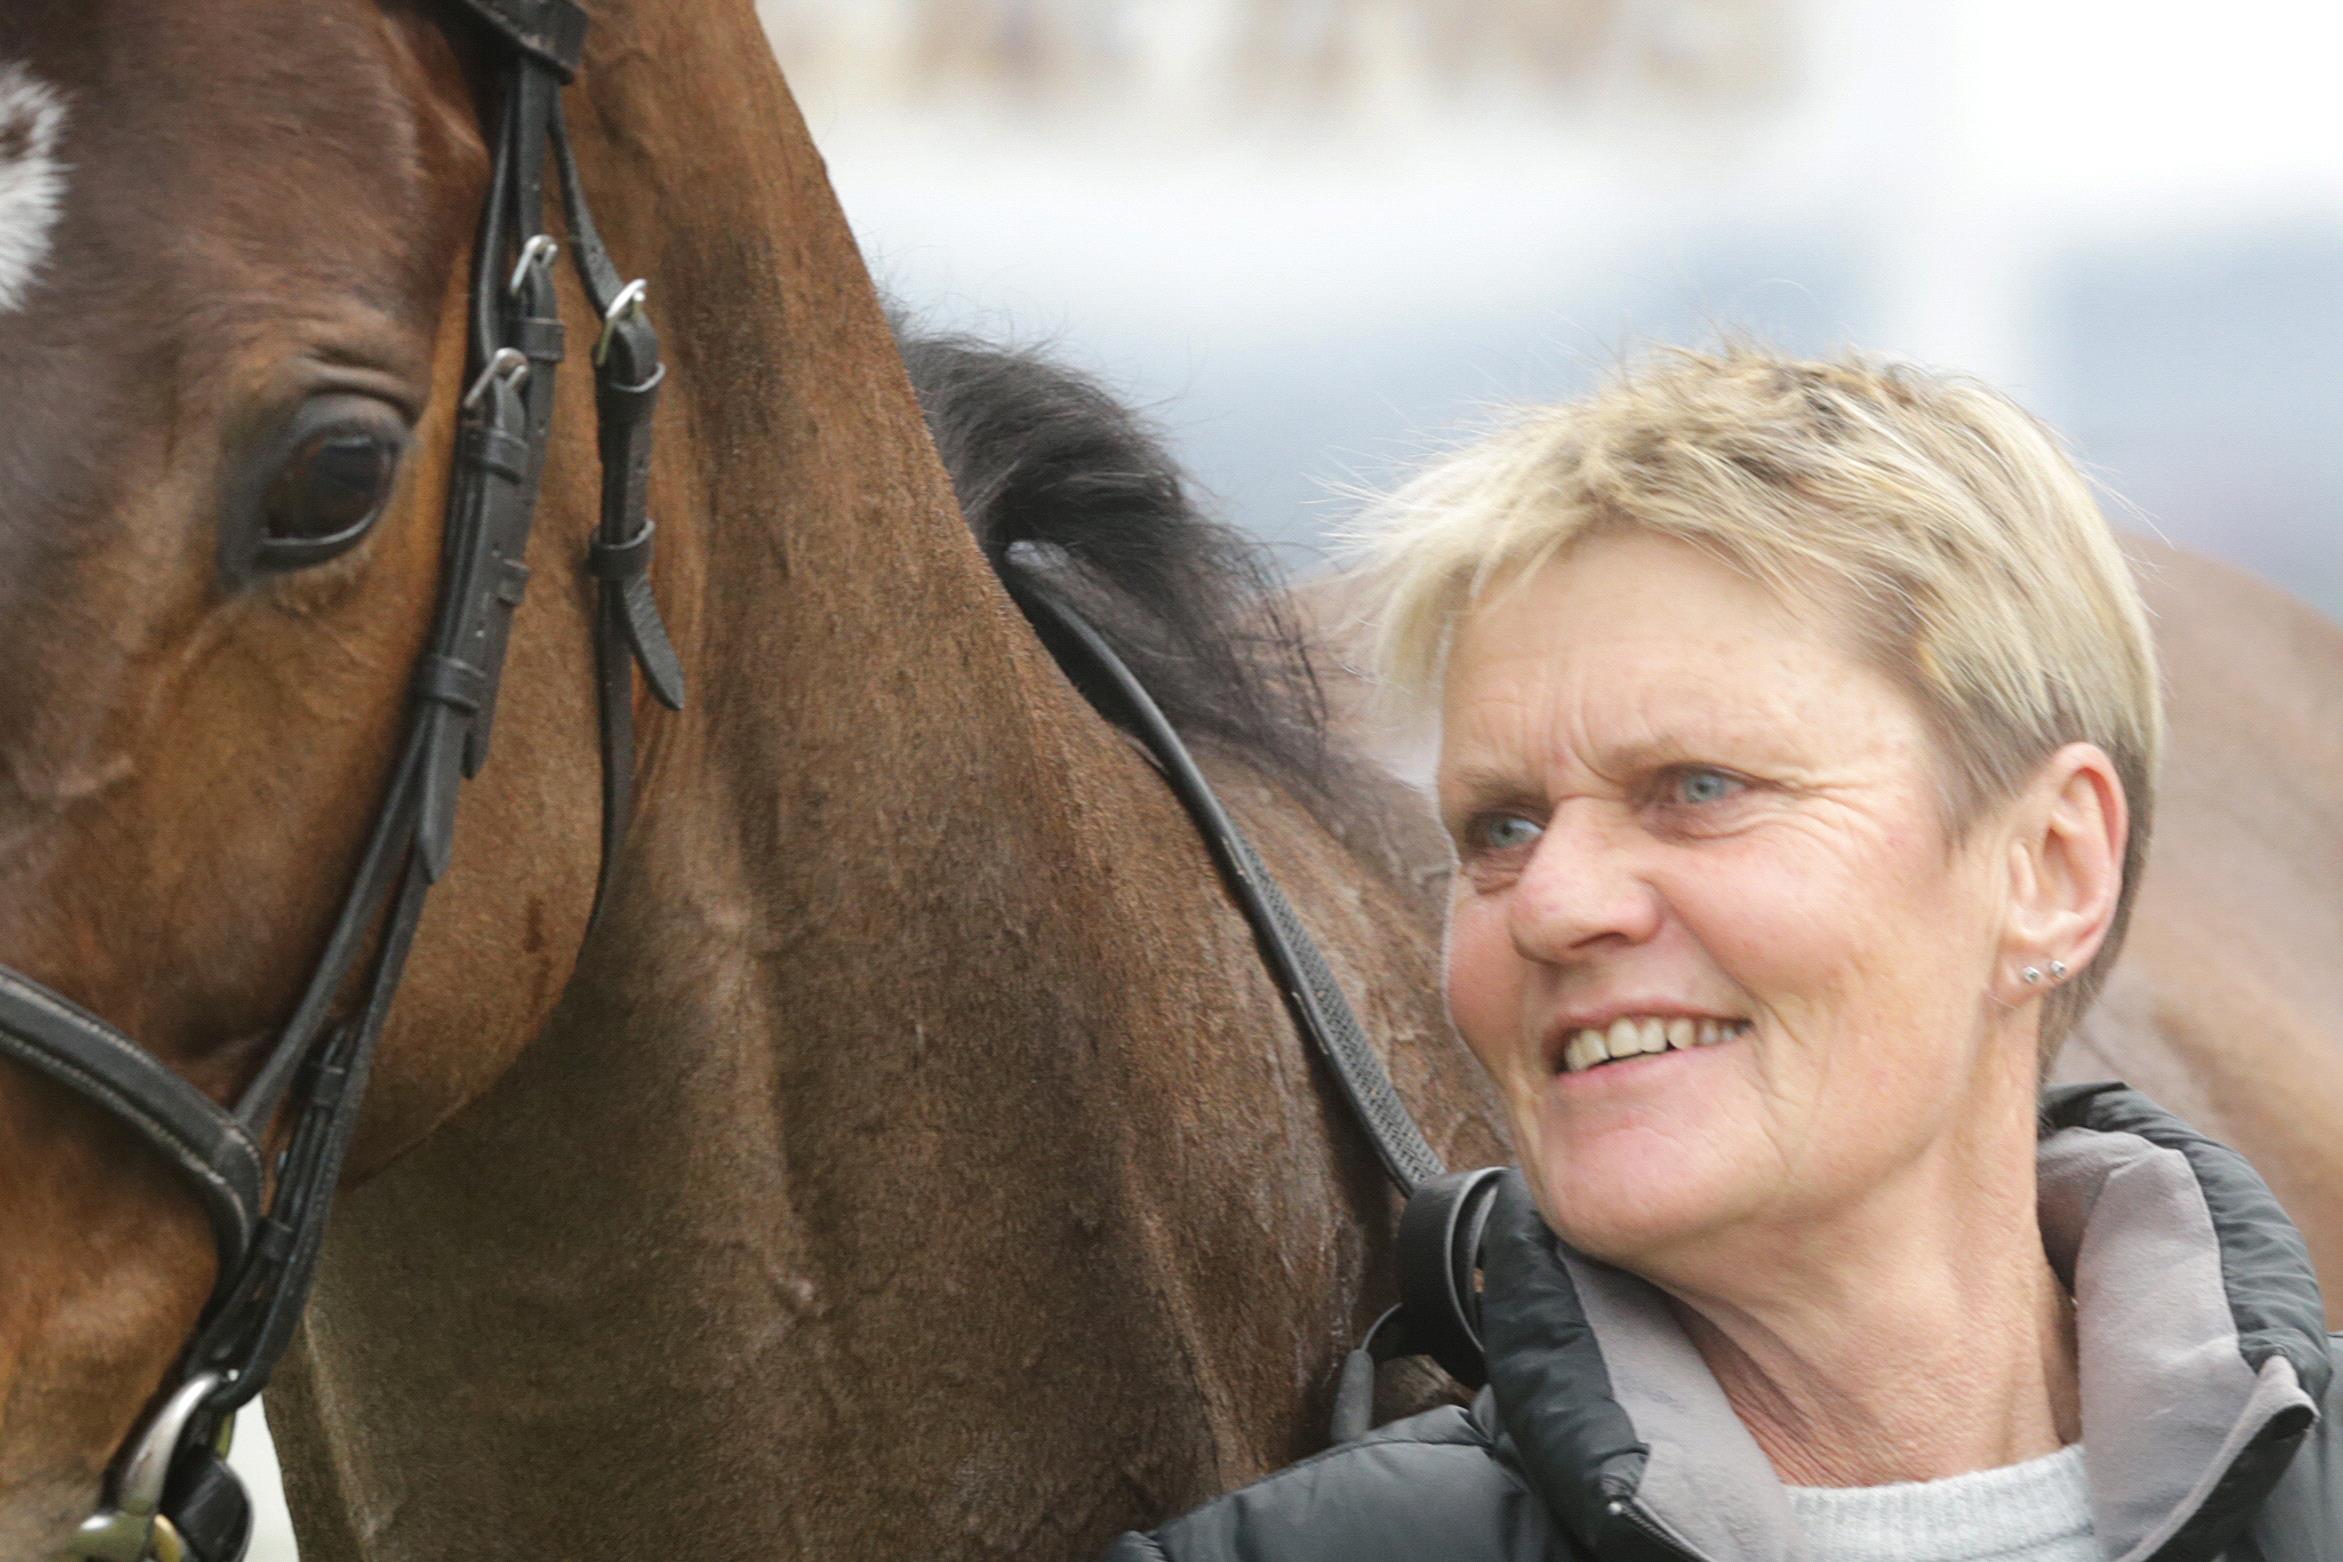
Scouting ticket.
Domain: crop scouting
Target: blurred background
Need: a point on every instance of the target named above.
(1315, 238)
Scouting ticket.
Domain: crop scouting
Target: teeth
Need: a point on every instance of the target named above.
(1630, 1037)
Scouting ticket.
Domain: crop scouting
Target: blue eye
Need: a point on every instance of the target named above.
(1507, 832)
(1699, 785)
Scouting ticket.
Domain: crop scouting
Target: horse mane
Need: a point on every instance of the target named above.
(1070, 493)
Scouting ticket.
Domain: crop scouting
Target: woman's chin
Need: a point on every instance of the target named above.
(1638, 1160)
(1623, 1220)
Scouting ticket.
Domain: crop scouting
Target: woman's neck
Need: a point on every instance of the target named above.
(1906, 1392)
(1922, 1334)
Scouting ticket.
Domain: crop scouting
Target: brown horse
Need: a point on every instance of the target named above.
(915, 1158)
(2227, 1004)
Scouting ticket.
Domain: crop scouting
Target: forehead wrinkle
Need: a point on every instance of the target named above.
(1552, 718)
(1797, 723)
(1477, 742)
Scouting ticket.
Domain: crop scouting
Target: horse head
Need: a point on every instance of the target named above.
(234, 334)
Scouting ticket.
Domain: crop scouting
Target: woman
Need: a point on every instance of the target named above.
(1798, 735)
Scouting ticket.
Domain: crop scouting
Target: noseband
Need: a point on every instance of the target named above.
(171, 1497)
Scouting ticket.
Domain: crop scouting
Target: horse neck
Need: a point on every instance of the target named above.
(826, 1099)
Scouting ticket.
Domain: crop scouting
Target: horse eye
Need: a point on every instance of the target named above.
(314, 491)
(335, 483)
(326, 496)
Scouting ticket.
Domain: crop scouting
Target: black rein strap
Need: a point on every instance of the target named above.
(171, 1497)
(1446, 1212)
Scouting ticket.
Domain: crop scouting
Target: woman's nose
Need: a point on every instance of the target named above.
(1583, 885)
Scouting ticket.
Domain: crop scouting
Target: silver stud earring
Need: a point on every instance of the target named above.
(2057, 969)
(2032, 975)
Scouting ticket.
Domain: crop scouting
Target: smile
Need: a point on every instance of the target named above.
(1632, 1036)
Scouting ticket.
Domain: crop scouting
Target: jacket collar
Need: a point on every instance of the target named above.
(2199, 1324)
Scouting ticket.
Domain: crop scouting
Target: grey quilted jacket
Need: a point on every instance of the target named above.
(2212, 1408)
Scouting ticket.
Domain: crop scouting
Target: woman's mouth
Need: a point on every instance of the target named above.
(1634, 1036)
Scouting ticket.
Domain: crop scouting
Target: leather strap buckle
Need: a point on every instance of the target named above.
(626, 306)
(536, 255)
(132, 1526)
(509, 365)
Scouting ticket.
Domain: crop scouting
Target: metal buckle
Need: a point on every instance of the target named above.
(131, 1527)
(535, 255)
(509, 364)
(629, 302)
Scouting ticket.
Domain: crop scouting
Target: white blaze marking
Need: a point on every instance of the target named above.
(32, 181)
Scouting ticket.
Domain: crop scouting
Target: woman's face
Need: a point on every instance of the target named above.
(1676, 800)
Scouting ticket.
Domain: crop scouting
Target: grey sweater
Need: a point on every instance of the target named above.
(2038, 1511)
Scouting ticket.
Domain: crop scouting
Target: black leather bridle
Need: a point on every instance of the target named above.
(170, 1495)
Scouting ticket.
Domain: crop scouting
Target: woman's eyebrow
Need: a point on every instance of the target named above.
(1476, 785)
(1478, 781)
(1471, 788)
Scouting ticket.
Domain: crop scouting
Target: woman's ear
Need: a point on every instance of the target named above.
(2066, 869)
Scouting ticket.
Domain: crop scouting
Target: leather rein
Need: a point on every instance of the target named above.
(1445, 1212)
(171, 1497)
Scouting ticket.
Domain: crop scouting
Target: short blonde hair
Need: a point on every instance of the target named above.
(1945, 528)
